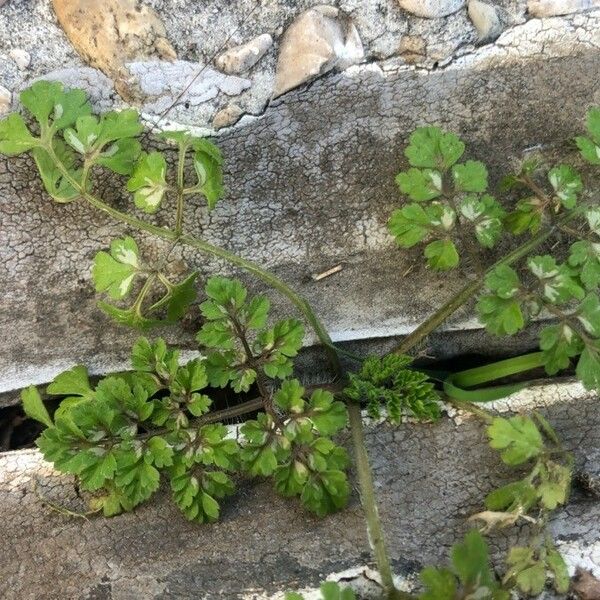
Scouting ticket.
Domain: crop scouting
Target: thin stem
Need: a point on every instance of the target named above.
(464, 295)
(536, 189)
(165, 281)
(574, 233)
(180, 187)
(369, 503)
(570, 321)
(298, 301)
(252, 361)
(465, 236)
(437, 318)
(244, 408)
(143, 292)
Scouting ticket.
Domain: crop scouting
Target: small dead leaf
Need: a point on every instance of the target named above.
(495, 519)
(586, 586)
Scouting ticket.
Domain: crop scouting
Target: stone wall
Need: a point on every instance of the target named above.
(309, 174)
(312, 106)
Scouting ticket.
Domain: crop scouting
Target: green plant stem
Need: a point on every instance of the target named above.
(145, 288)
(180, 187)
(464, 295)
(216, 416)
(167, 234)
(369, 503)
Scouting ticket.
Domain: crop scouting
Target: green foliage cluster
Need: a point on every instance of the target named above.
(389, 381)
(548, 288)
(70, 145)
(116, 271)
(241, 346)
(471, 575)
(450, 202)
(291, 440)
(525, 441)
(521, 441)
(449, 199)
(121, 435)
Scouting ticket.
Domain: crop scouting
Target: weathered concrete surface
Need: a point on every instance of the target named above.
(430, 479)
(310, 185)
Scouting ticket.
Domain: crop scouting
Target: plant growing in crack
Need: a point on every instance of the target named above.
(119, 436)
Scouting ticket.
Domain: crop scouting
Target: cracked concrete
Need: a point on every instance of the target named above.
(430, 479)
(317, 164)
(310, 186)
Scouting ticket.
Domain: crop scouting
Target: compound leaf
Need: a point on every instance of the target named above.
(517, 437)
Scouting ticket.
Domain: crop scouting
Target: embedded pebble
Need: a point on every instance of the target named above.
(241, 58)
(5, 100)
(110, 33)
(412, 48)
(318, 40)
(552, 8)
(485, 19)
(21, 57)
(431, 9)
(227, 116)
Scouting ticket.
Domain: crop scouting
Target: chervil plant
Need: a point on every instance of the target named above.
(123, 434)
(119, 436)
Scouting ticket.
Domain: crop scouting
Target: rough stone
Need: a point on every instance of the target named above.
(199, 33)
(21, 57)
(319, 40)
(227, 116)
(551, 8)
(431, 9)
(242, 58)
(107, 34)
(586, 586)
(486, 20)
(430, 478)
(5, 100)
(413, 48)
(157, 84)
(318, 164)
